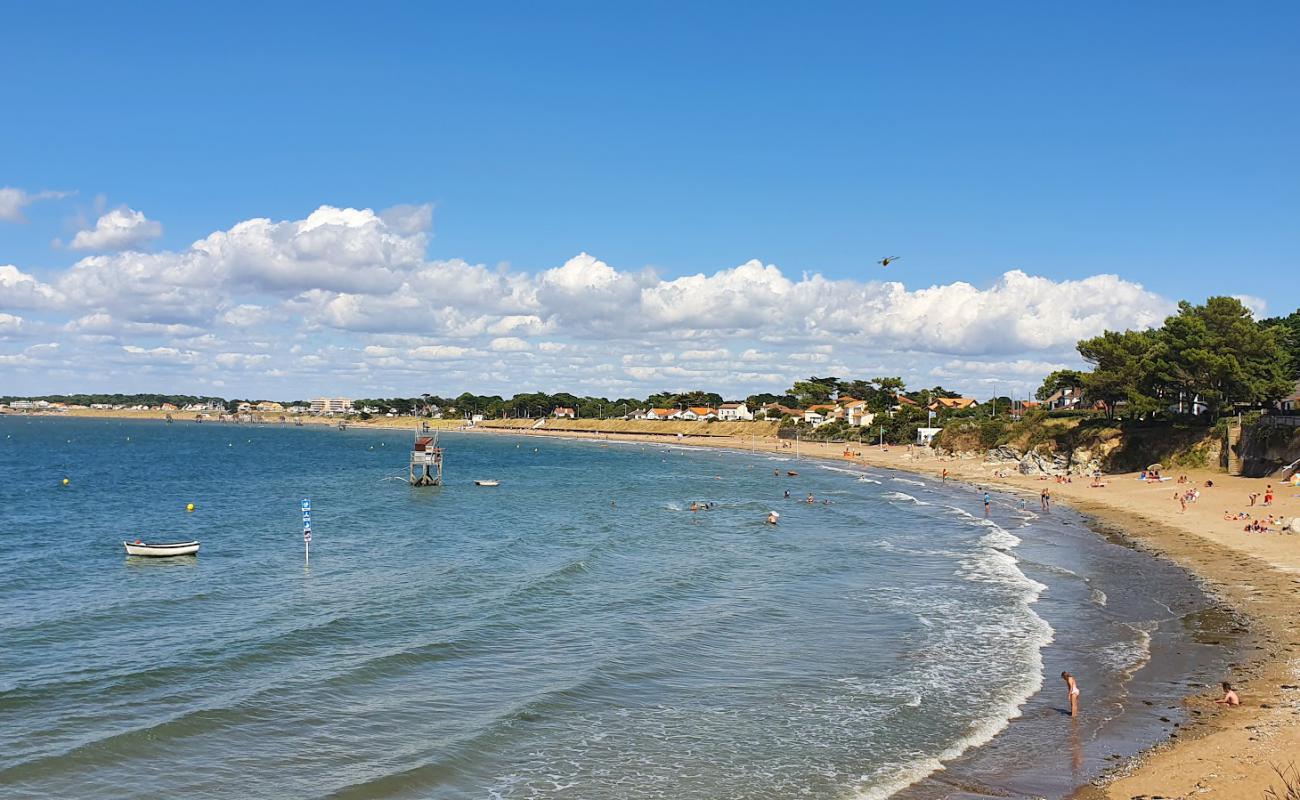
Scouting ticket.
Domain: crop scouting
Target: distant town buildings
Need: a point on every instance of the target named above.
(331, 405)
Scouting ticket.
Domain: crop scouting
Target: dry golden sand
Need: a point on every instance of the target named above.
(1225, 753)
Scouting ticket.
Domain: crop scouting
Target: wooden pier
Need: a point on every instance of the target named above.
(426, 462)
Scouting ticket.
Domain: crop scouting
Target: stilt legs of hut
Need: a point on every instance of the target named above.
(423, 474)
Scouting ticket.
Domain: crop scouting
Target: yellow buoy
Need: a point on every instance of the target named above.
(189, 507)
(65, 481)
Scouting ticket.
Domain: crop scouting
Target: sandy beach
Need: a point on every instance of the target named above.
(1224, 752)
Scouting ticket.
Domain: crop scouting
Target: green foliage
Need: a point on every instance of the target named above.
(813, 391)
(178, 400)
(756, 401)
(1215, 352)
(1121, 369)
(1218, 351)
(684, 399)
(1287, 330)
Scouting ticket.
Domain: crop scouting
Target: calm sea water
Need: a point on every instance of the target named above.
(575, 633)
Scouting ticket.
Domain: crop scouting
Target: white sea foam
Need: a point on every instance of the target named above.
(865, 479)
(908, 480)
(1128, 657)
(906, 497)
(992, 564)
(832, 468)
(1097, 596)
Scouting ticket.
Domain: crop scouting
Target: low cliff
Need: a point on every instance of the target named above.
(1268, 448)
(1042, 444)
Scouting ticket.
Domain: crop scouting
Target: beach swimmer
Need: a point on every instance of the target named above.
(695, 506)
(787, 494)
(945, 475)
(1230, 697)
(810, 500)
(1073, 689)
(772, 517)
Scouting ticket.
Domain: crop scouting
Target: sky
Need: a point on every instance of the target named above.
(283, 200)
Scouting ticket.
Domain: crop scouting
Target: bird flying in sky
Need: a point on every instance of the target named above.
(887, 260)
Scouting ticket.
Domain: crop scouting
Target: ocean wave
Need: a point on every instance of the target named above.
(908, 480)
(833, 468)
(996, 565)
(904, 496)
(1127, 657)
(865, 479)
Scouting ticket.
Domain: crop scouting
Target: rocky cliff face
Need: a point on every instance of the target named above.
(1268, 449)
(1076, 462)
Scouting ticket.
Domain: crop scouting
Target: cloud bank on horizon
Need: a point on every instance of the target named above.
(346, 301)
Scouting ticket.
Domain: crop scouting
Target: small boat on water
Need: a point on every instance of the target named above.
(792, 474)
(487, 483)
(139, 548)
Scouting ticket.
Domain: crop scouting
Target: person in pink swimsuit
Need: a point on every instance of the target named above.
(1073, 689)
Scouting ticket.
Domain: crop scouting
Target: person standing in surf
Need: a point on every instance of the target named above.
(987, 500)
(1073, 689)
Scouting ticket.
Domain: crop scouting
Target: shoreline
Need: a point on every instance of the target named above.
(1226, 752)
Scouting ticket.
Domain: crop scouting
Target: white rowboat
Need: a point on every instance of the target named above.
(161, 550)
(487, 483)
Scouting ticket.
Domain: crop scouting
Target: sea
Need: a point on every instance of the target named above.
(576, 632)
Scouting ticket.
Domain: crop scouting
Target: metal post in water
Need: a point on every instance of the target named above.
(306, 530)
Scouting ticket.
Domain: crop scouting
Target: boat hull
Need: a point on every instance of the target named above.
(161, 550)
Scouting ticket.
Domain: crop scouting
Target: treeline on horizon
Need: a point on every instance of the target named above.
(878, 392)
(1216, 352)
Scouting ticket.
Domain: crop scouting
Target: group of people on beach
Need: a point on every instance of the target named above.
(1190, 496)
(1268, 495)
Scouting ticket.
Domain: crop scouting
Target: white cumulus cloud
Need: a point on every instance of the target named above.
(120, 229)
(346, 300)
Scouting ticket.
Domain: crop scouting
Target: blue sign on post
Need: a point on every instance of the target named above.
(306, 528)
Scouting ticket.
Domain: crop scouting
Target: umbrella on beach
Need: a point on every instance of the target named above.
(1156, 466)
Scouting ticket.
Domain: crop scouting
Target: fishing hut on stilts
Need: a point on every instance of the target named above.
(426, 462)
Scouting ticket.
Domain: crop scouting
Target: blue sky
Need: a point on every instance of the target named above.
(1155, 142)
